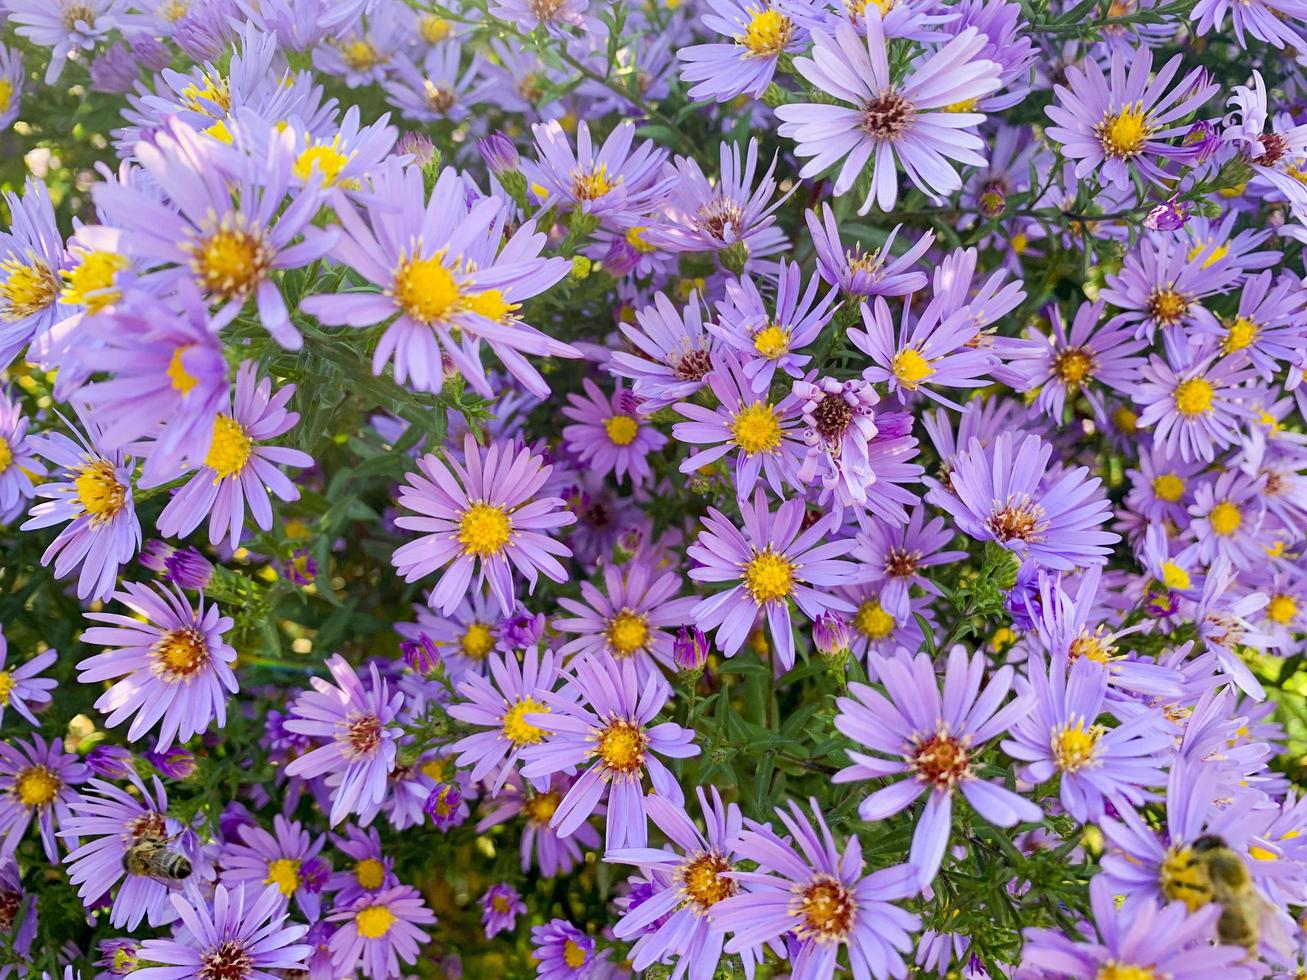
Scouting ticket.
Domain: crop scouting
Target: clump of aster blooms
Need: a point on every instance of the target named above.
(575, 537)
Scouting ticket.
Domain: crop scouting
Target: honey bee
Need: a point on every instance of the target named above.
(151, 857)
(1229, 884)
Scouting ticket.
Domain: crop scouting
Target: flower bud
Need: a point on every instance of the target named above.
(176, 763)
(189, 569)
(830, 635)
(499, 153)
(421, 654)
(993, 202)
(153, 555)
(109, 761)
(442, 806)
(690, 650)
(522, 630)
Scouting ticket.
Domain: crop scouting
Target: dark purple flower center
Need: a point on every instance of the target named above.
(226, 961)
(831, 417)
(692, 365)
(887, 116)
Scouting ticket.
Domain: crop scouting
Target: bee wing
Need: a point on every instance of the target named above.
(1277, 927)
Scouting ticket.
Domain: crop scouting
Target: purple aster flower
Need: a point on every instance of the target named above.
(1171, 215)
(1194, 411)
(12, 78)
(934, 350)
(609, 734)
(500, 704)
(464, 638)
(355, 723)
(173, 668)
(114, 70)
(999, 494)
(908, 122)
(20, 687)
(281, 858)
(1228, 521)
(444, 805)
(379, 932)
(562, 951)
(1064, 364)
(229, 938)
(1116, 125)
(761, 433)
(228, 244)
(1225, 624)
(366, 44)
(553, 15)
(759, 33)
(860, 273)
(1098, 765)
(370, 870)
(175, 763)
(1144, 939)
(18, 462)
(110, 761)
(118, 958)
(770, 564)
(521, 631)
(613, 184)
(689, 878)
(1266, 20)
(724, 213)
(818, 896)
(239, 470)
(439, 87)
(442, 263)
(894, 557)
(609, 434)
(673, 352)
(540, 842)
(1267, 328)
(31, 255)
(500, 907)
(66, 26)
(629, 618)
(766, 341)
(36, 783)
(480, 518)
(116, 820)
(301, 568)
(932, 740)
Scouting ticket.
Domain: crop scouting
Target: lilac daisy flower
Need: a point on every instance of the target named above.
(909, 122)
(499, 705)
(500, 907)
(173, 666)
(464, 637)
(442, 263)
(356, 723)
(839, 428)
(66, 26)
(31, 255)
(540, 843)
(36, 783)
(1117, 124)
(932, 351)
(1228, 521)
(115, 820)
(761, 433)
(369, 871)
(609, 434)
(1098, 765)
(630, 618)
(18, 462)
(228, 244)
(438, 87)
(20, 687)
(673, 352)
(379, 932)
(999, 494)
(229, 937)
(770, 564)
(895, 556)
(238, 468)
(287, 858)
(612, 184)
(562, 951)
(483, 517)
(1193, 411)
(610, 735)
(1267, 328)
(818, 896)
(932, 740)
(553, 15)
(759, 34)
(690, 878)
(12, 78)
(1266, 20)
(860, 273)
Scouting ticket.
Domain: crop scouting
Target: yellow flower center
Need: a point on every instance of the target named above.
(370, 874)
(574, 955)
(627, 633)
(621, 429)
(477, 642)
(769, 577)
(1125, 420)
(285, 874)
(1123, 133)
(592, 185)
(621, 746)
(540, 808)
(374, 922)
(757, 429)
(484, 530)
(26, 289)
(1075, 747)
(7, 684)
(489, 304)
(230, 450)
(1092, 646)
(825, 910)
(90, 282)
(1175, 577)
(1072, 366)
(519, 731)
(6, 94)
(37, 786)
(1125, 971)
(1167, 307)
(1168, 487)
(1281, 610)
(910, 368)
(436, 769)
(359, 55)
(6, 455)
(1194, 397)
(425, 289)
(872, 621)
(231, 261)
(98, 490)
(767, 33)
(433, 29)
(704, 883)
(772, 342)
(1225, 518)
(635, 238)
(326, 158)
(1241, 334)
(180, 654)
(214, 92)
(180, 379)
